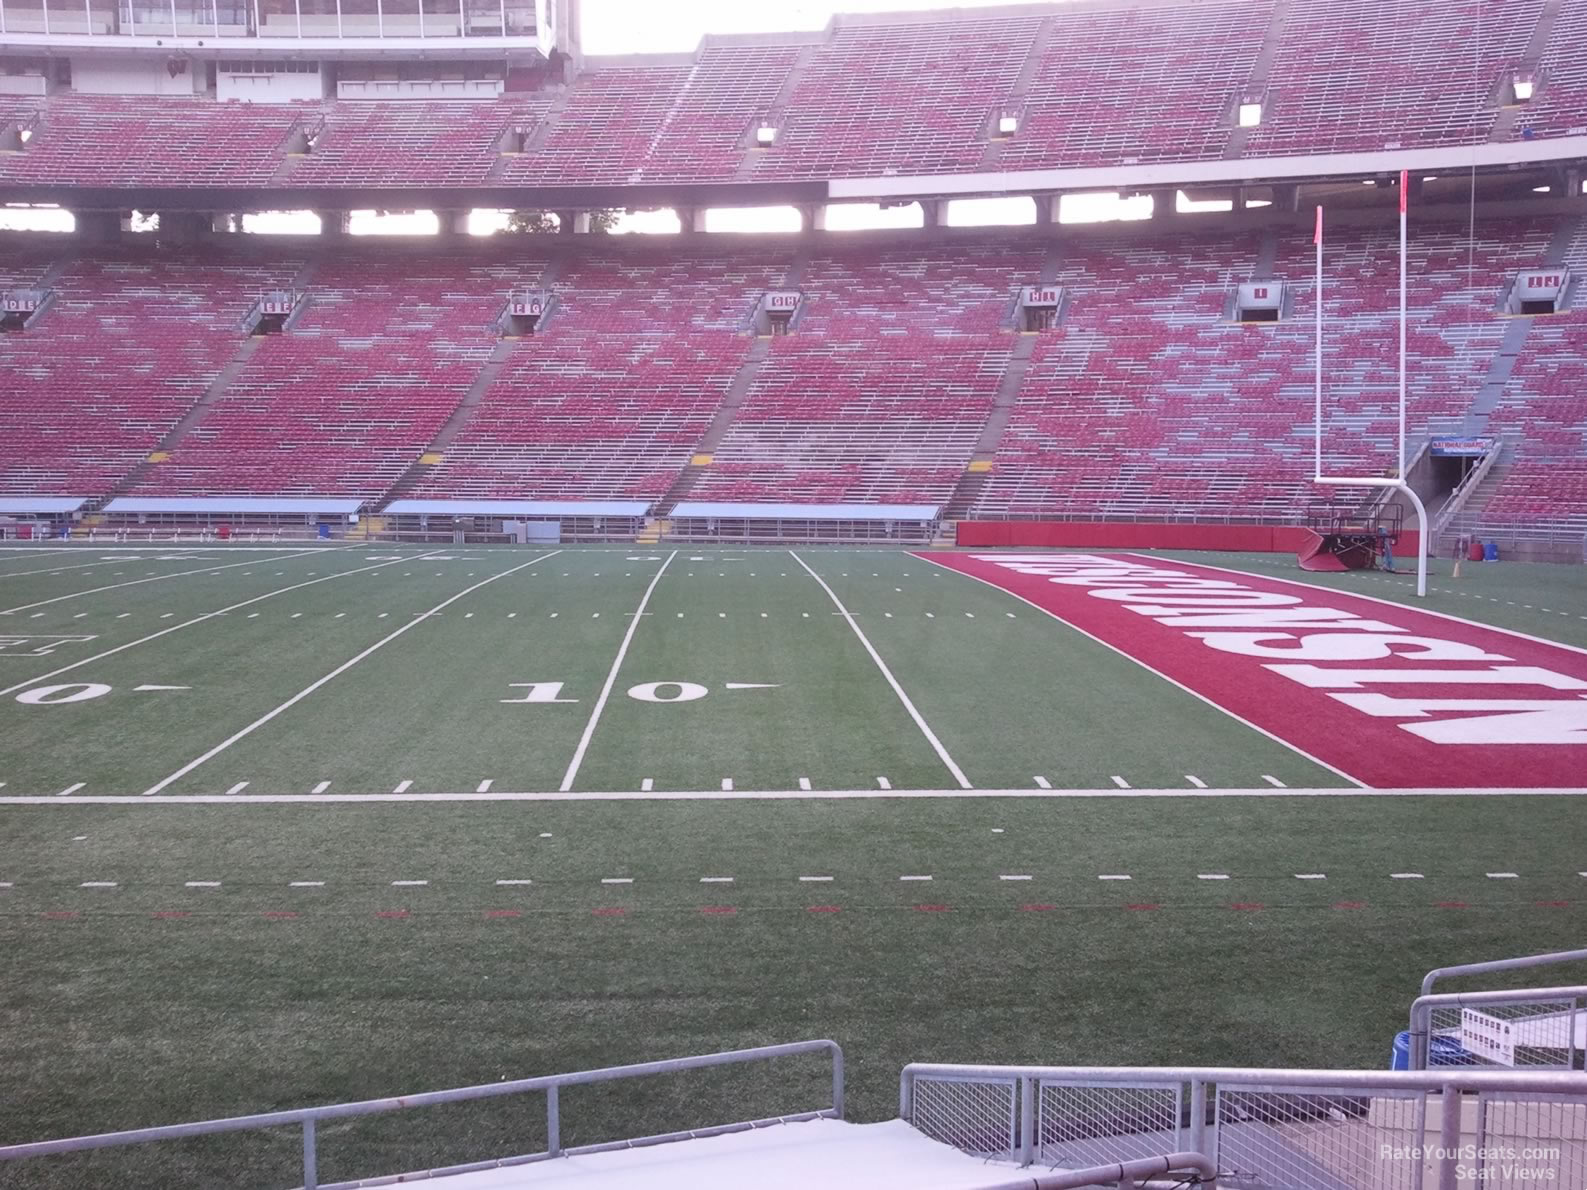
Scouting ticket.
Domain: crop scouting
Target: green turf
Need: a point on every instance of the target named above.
(115, 1017)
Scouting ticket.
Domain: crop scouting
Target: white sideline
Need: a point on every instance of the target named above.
(158, 578)
(340, 669)
(920, 722)
(188, 624)
(1149, 669)
(762, 795)
(611, 679)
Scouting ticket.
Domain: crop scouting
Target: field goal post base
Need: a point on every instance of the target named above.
(1416, 503)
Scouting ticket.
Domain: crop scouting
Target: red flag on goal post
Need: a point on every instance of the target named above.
(1405, 189)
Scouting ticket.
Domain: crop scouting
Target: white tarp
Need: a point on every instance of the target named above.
(517, 508)
(806, 512)
(235, 505)
(39, 505)
(829, 1154)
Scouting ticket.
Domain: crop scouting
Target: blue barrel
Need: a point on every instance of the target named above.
(1491, 552)
(1442, 1050)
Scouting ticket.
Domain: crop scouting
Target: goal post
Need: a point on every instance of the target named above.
(1398, 483)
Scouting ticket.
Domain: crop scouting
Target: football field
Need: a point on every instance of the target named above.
(296, 824)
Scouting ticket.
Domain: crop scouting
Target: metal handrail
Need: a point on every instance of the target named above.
(1122, 1174)
(1422, 1009)
(551, 1084)
(1449, 1082)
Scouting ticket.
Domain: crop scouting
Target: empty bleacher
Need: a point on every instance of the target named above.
(1148, 83)
(881, 394)
(1342, 80)
(139, 140)
(899, 97)
(132, 341)
(1149, 403)
(1093, 83)
(613, 398)
(342, 405)
(409, 143)
(1560, 106)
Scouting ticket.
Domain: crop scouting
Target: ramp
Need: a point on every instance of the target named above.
(1339, 551)
(827, 1153)
(1313, 556)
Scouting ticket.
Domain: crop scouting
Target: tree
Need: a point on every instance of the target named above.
(543, 222)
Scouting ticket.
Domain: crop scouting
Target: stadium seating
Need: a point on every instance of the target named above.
(342, 405)
(409, 143)
(126, 140)
(612, 399)
(1342, 80)
(881, 394)
(1148, 402)
(916, 97)
(1092, 85)
(132, 341)
(1147, 83)
(1560, 106)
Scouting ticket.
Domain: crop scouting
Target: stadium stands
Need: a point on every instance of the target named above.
(881, 394)
(1092, 84)
(344, 403)
(131, 342)
(1342, 81)
(613, 398)
(127, 141)
(409, 143)
(1560, 106)
(1149, 402)
(1148, 83)
(915, 97)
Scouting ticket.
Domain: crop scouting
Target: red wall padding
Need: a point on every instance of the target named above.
(1111, 535)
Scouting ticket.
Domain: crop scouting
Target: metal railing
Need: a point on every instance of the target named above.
(1125, 1174)
(1520, 1027)
(310, 1117)
(1275, 1129)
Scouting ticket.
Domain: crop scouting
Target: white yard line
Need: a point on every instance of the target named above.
(1149, 669)
(339, 670)
(611, 678)
(159, 578)
(502, 795)
(54, 569)
(920, 722)
(188, 624)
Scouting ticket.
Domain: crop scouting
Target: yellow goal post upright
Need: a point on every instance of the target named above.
(1365, 481)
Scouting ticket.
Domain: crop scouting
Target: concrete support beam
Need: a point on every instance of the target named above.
(98, 227)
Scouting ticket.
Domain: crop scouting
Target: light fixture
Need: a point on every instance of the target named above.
(1007, 124)
(1250, 114)
(765, 134)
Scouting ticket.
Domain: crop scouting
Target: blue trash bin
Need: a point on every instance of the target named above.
(1490, 552)
(1442, 1050)
(325, 531)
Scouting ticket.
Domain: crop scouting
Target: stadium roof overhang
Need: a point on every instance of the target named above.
(1230, 172)
(353, 198)
(518, 508)
(806, 512)
(234, 505)
(39, 505)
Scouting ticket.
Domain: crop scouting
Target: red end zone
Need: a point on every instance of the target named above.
(1391, 696)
